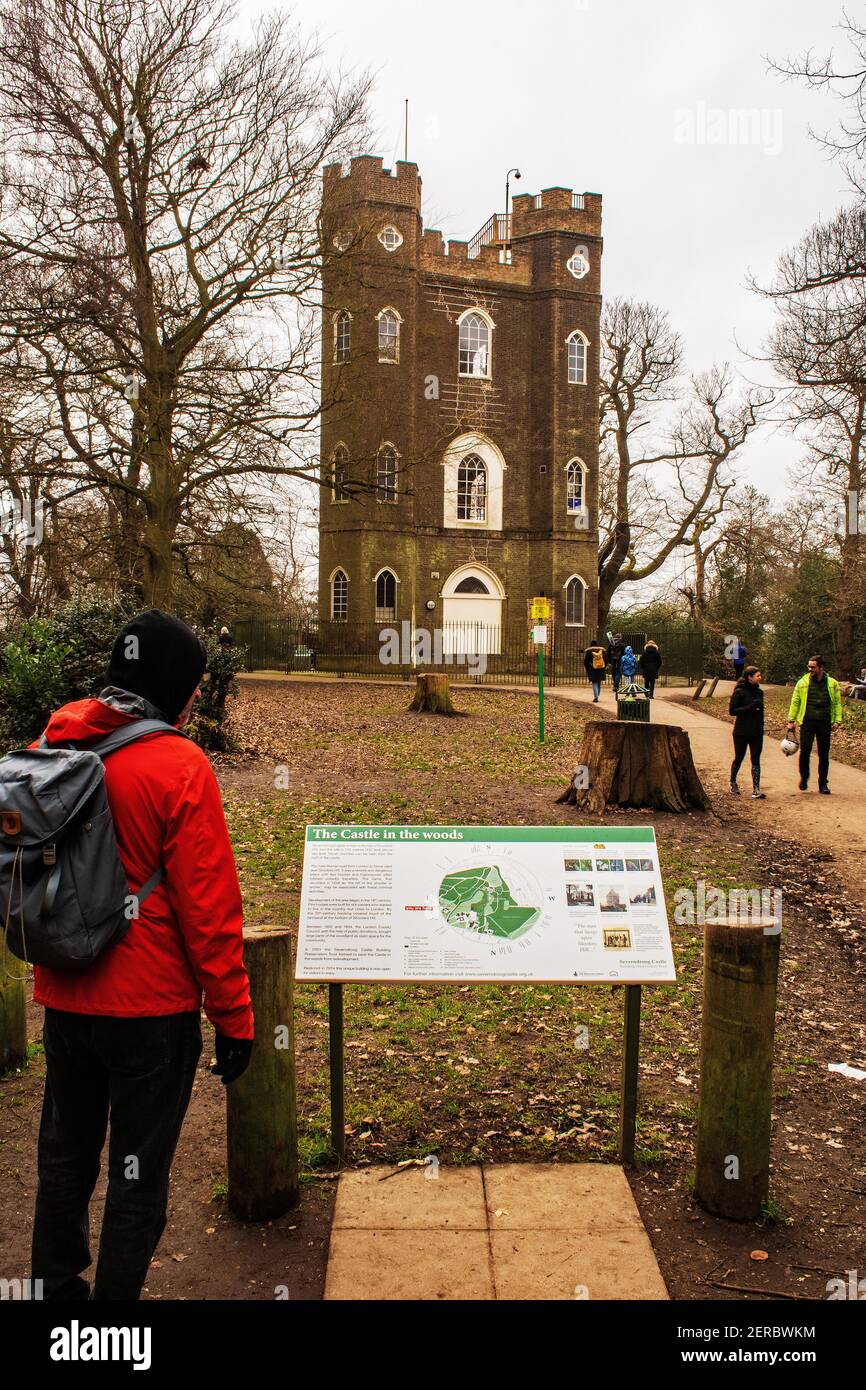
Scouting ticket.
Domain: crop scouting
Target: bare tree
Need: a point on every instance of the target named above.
(160, 250)
(819, 346)
(666, 444)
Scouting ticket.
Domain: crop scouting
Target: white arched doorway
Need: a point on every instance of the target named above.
(472, 598)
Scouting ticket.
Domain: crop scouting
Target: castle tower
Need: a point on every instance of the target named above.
(461, 384)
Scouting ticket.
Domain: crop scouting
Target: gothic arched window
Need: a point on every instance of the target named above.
(339, 474)
(342, 336)
(339, 596)
(577, 345)
(472, 489)
(386, 473)
(575, 602)
(386, 596)
(474, 353)
(575, 489)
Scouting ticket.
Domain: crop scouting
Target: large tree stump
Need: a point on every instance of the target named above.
(625, 764)
(741, 967)
(432, 694)
(13, 1010)
(262, 1124)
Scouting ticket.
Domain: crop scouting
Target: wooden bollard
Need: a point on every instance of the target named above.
(741, 967)
(261, 1121)
(13, 1010)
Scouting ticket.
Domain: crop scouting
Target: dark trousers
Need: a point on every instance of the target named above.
(616, 673)
(754, 743)
(811, 731)
(137, 1073)
(650, 685)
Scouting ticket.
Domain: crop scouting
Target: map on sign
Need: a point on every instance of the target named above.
(484, 903)
(479, 900)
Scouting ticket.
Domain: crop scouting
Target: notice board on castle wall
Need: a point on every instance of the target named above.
(427, 903)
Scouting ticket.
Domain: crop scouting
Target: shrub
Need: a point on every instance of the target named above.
(32, 681)
(210, 713)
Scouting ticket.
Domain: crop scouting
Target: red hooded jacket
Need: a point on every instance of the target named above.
(188, 939)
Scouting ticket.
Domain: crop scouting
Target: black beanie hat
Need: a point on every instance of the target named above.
(159, 657)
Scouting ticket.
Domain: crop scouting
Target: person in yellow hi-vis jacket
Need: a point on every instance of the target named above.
(816, 706)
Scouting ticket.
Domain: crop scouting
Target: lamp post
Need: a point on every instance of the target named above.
(516, 173)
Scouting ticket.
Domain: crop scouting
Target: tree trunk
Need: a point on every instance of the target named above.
(13, 1011)
(741, 965)
(432, 694)
(625, 764)
(262, 1125)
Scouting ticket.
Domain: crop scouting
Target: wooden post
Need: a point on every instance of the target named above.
(741, 965)
(630, 1059)
(13, 1010)
(262, 1124)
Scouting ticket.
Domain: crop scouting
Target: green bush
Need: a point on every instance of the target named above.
(47, 662)
(32, 681)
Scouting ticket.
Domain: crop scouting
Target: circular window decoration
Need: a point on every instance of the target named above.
(390, 238)
(343, 240)
(578, 262)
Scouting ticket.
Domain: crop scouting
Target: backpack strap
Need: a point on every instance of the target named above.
(131, 733)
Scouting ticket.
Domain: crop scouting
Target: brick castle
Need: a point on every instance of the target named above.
(460, 434)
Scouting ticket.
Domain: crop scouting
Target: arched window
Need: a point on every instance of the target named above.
(389, 335)
(471, 585)
(386, 473)
(339, 474)
(386, 596)
(575, 487)
(339, 596)
(575, 602)
(474, 353)
(342, 336)
(472, 489)
(577, 345)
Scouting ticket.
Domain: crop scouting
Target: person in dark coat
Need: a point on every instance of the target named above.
(747, 707)
(739, 660)
(650, 665)
(594, 663)
(615, 653)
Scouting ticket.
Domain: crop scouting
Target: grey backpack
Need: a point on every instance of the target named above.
(64, 897)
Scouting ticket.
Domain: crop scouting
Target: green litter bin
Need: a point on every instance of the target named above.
(633, 708)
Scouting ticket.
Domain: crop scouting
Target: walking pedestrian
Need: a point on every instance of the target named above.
(650, 665)
(747, 707)
(615, 654)
(739, 659)
(816, 706)
(122, 1037)
(594, 663)
(628, 668)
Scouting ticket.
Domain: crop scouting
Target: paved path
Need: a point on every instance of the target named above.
(835, 823)
(499, 1231)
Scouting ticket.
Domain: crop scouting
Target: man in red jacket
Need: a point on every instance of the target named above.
(123, 1038)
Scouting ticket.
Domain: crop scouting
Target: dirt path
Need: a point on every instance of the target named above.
(834, 823)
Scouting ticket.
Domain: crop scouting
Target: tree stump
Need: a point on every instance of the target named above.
(432, 694)
(625, 764)
(262, 1125)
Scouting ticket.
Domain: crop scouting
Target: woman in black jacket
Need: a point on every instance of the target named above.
(747, 707)
(650, 665)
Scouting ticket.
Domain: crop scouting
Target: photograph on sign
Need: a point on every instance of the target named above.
(487, 903)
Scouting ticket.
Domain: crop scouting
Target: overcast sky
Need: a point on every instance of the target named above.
(626, 99)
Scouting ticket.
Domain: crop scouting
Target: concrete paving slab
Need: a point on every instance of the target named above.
(567, 1264)
(427, 1264)
(559, 1197)
(410, 1201)
(504, 1231)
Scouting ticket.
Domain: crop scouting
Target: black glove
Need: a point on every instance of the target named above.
(232, 1057)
